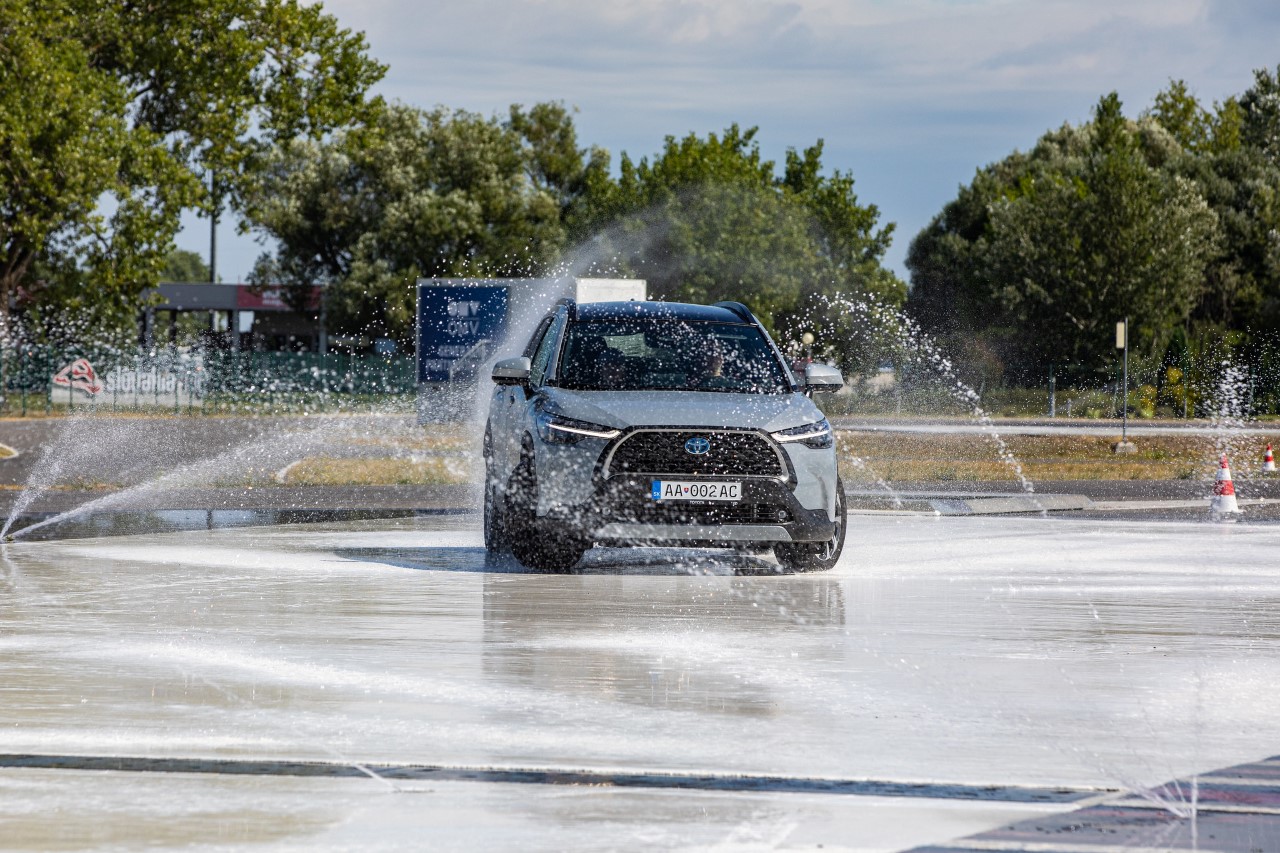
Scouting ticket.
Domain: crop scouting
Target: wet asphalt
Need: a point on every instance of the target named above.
(209, 663)
(955, 683)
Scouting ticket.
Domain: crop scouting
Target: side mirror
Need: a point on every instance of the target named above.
(822, 377)
(512, 371)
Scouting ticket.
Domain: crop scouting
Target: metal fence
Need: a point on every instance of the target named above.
(39, 379)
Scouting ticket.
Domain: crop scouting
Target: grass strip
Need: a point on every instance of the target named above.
(328, 471)
(900, 456)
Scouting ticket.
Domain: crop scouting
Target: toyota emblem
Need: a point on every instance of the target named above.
(697, 445)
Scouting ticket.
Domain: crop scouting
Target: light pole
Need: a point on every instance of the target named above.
(1124, 445)
(213, 228)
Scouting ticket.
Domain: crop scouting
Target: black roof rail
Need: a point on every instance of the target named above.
(741, 310)
(571, 303)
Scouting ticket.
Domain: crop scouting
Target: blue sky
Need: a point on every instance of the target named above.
(911, 97)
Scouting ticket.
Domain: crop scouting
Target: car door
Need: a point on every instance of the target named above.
(542, 361)
(506, 415)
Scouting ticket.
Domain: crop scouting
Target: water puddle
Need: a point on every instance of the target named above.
(48, 527)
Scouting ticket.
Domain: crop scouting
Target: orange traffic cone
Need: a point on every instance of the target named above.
(1224, 491)
(1268, 461)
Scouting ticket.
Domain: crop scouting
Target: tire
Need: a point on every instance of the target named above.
(495, 532)
(534, 543)
(816, 556)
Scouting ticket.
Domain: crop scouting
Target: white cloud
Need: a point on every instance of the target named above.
(952, 44)
(911, 95)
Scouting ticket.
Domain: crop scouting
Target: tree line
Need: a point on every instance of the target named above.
(1171, 219)
(114, 119)
(448, 193)
(116, 116)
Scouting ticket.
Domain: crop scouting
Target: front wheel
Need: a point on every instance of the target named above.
(816, 556)
(495, 527)
(495, 533)
(534, 542)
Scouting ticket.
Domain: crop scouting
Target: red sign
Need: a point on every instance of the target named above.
(271, 299)
(80, 375)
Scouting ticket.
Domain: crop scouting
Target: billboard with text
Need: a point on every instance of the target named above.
(458, 325)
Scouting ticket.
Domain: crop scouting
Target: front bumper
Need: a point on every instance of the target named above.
(621, 509)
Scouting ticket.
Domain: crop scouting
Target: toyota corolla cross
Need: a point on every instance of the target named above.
(659, 423)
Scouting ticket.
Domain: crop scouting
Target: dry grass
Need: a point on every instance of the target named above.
(327, 471)
(913, 456)
(436, 438)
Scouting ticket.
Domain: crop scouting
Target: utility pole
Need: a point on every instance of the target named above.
(1124, 398)
(1124, 445)
(213, 228)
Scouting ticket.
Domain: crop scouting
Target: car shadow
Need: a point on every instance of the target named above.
(670, 562)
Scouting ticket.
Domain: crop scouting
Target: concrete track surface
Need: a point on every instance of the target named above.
(383, 685)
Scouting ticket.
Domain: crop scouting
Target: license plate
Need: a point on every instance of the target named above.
(691, 490)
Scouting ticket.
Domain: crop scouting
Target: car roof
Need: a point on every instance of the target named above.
(656, 310)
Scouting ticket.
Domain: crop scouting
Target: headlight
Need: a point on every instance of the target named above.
(556, 429)
(818, 435)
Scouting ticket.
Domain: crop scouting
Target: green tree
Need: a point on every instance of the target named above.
(413, 194)
(1241, 281)
(1179, 112)
(1230, 156)
(553, 162)
(1196, 129)
(709, 218)
(844, 230)
(113, 118)
(1228, 127)
(952, 295)
(1260, 107)
(1072, 239)
(182, 265)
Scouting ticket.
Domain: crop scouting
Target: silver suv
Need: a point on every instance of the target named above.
(659, 423)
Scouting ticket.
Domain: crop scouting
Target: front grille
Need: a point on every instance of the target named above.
(741, 454)
(740, 513)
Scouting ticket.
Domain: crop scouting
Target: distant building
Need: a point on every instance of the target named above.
(239, 317)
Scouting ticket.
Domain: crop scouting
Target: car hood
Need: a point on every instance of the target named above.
(623, 409)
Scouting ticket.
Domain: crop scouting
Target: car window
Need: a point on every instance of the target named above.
(536, 338)
(546, 346)
(670, 355)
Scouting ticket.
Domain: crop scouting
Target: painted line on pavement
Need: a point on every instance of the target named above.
(1195, 503)
(558, 776)
(1046, 847)
(1232, 810)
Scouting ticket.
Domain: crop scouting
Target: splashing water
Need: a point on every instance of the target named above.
(1229, 414)
(140, 454)
(58, 455)
(913, 343)
(861, 464)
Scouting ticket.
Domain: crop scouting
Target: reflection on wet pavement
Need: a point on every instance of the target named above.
(1022, 652)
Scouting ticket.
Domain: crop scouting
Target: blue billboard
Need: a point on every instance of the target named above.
(458, 326)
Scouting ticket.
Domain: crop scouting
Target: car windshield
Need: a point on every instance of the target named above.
(663, 354)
